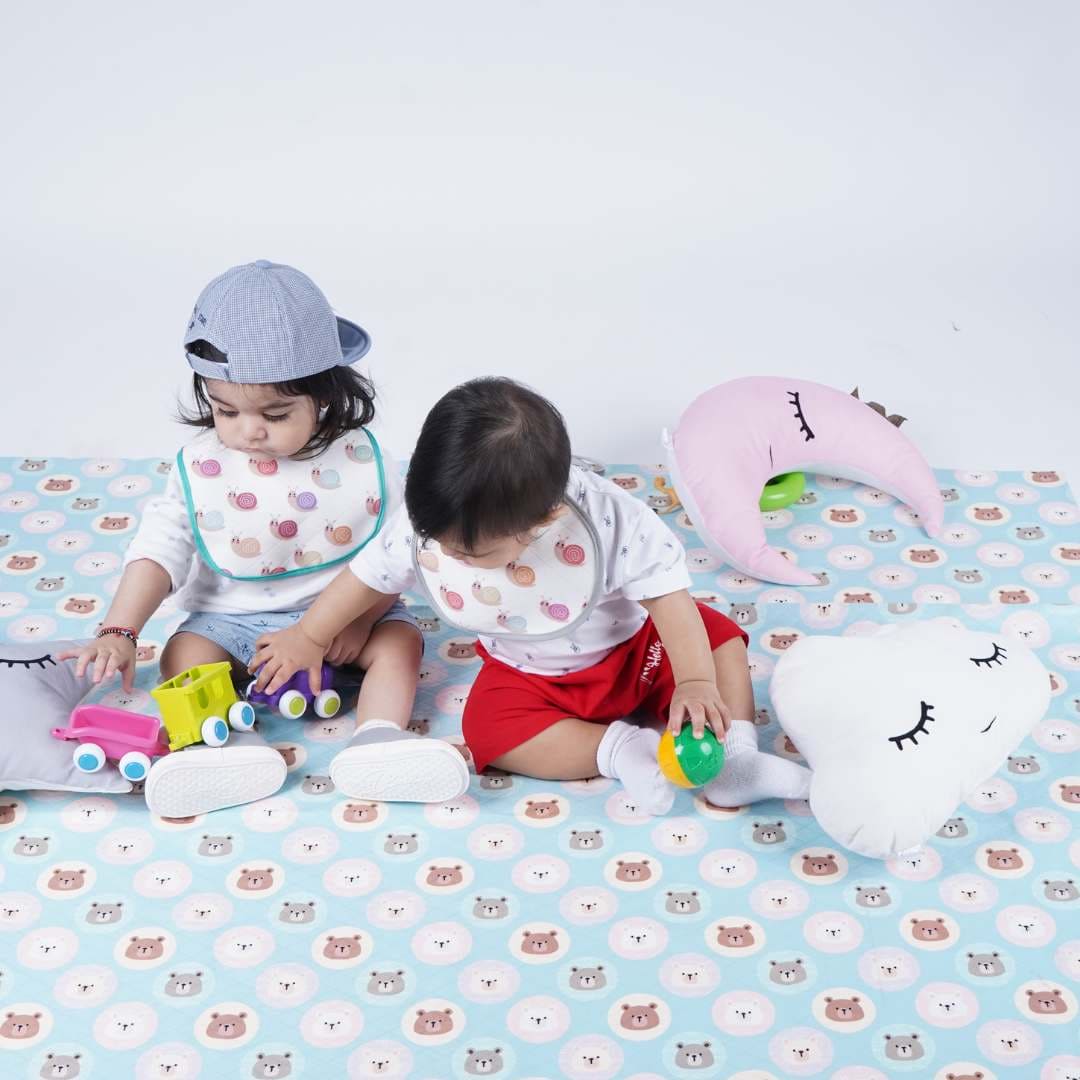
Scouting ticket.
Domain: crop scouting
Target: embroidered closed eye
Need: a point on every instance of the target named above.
(38, 662)
(998, 656)
(919, 729)
(804, 427)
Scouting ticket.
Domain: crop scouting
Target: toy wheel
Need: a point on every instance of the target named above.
(88, 757)
(327, 704)
(241, 716)
(215, 732)
(292, 704)
(134, 766)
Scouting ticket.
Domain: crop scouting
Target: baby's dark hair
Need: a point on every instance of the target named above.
(492, 460)
(346, 400)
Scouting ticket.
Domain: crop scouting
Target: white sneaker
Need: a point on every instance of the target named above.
(204, 778)
(385, 764)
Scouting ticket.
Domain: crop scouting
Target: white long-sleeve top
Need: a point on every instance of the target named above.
(165, 536)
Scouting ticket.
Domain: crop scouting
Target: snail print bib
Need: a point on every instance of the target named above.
(545, 593)
(279, 516)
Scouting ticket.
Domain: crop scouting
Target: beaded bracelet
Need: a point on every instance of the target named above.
(123, 631)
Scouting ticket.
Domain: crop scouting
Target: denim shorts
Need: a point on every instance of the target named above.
(237, 634)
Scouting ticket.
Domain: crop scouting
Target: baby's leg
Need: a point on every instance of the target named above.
(564, 751)
(391, 664)
(573, 749)
(748, 775)
(186, 649)
(383, 762)
(202, 778)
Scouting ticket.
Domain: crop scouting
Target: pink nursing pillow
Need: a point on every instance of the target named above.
(733, 438)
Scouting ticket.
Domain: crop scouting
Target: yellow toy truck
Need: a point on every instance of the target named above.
(196, 704)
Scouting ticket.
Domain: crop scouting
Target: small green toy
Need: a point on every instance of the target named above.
(782, 491)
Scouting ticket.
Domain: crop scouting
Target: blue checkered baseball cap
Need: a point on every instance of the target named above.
(272, 323)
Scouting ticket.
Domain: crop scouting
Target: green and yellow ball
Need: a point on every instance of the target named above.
(690, 762)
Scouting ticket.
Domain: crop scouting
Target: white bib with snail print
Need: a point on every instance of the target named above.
(545, 593)
(280, 516)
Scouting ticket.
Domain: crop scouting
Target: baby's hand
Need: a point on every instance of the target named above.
(109, 655)
(349, 644)
(699, 701)
(279, 656)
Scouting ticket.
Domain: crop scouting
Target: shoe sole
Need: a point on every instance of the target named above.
(192, 782)
(404, 771)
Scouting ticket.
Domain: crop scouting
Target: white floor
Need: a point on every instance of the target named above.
(616, 202)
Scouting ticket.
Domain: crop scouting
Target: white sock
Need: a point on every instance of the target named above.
(375, 722)
(749, 775)
(628, 754)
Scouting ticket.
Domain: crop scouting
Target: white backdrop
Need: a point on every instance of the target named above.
(618, 202)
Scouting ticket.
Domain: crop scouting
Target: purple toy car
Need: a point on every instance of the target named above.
(292, 699)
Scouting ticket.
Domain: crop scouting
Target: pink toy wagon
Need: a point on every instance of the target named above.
(104, 734)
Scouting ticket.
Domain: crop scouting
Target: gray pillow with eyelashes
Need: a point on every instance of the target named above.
(37, 693)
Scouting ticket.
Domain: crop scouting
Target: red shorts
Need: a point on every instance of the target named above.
(507, 707)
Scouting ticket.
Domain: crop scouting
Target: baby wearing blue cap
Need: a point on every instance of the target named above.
(284, 484)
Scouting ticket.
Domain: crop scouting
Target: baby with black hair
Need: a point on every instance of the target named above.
(578, 594)
(284, 482)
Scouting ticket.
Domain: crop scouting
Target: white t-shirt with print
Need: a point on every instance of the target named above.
(165, 536)
(641, 559)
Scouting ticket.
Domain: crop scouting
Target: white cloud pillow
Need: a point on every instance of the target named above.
(900, 727)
